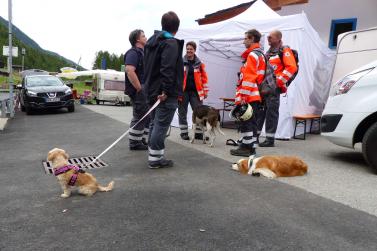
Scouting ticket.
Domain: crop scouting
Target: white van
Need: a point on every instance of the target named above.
(350, 114)
(109, 87)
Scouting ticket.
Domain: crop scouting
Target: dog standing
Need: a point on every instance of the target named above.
(272, 166)
(208, 119)
(70, 175)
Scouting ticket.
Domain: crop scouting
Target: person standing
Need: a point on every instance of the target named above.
(251, 75)
(163, 81)
(133, 60)
(283, 61)
(195, 89)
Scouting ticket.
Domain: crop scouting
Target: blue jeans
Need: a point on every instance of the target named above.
(161, 119)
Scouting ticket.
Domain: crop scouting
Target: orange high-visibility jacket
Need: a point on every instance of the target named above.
(283, 70)
(200, 78)
(251, 75)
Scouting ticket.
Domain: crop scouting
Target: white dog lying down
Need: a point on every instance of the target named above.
(208, 119)
(272, 166)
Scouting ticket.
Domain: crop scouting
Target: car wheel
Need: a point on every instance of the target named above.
(71, 108)
(369, 146)
(28, 110)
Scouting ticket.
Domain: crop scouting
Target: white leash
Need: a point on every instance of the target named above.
(124, 134)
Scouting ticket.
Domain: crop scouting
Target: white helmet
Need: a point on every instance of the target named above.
(241, 112)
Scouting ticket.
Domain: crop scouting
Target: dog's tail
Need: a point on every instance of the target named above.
(218, 128)
(109, 187)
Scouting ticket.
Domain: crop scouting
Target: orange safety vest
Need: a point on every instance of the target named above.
(200, 78)
(283, 70)
(251, 75)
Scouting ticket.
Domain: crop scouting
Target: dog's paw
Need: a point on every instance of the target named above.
(64, 195)
(192, 141)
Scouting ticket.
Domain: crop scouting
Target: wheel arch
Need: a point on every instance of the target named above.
(363, 127)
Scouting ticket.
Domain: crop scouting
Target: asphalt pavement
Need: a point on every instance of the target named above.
(199, 204)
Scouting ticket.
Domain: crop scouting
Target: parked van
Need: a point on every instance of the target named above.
(109, 87)
(350, 114)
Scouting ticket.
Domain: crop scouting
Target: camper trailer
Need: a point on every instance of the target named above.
(350, 115)
(109, 87)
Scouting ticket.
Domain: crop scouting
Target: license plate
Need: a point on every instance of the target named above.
(53, 99)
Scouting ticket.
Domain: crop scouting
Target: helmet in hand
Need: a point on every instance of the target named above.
(241, 112)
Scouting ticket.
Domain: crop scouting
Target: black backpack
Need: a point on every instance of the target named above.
(268, 85)
(295, 54)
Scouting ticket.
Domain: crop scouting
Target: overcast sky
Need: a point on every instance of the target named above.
(79, 28)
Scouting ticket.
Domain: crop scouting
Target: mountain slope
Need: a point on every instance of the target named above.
(35, 57)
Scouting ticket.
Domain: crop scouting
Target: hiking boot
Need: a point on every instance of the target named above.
(267, 143)
(200, 136)
(242, 151)
(185, 136)
(160, 164)
(139, 147)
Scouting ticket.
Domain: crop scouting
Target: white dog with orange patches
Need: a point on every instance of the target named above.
(272, 166)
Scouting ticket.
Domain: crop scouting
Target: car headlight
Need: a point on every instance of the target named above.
(31, 93)
(69, 91)
(346, 83)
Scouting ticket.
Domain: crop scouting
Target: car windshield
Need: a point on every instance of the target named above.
(43, 81)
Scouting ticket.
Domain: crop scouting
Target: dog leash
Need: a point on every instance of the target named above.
(124, 134)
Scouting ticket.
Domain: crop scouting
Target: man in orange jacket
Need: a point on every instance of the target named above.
(283, 61)
(251, 75)
(195, 88)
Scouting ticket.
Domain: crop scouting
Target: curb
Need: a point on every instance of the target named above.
(3, 123)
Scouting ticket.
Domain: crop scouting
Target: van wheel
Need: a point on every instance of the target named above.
(71, 108)
(369, 146)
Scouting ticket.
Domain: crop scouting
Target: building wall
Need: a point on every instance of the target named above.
(321, 12)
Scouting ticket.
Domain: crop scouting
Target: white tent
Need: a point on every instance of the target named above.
(220, 46)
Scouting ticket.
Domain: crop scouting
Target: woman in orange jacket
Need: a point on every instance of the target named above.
(195, 88)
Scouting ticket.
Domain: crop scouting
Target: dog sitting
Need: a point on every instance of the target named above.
(272, 166)
(206, 118)
(70, 175)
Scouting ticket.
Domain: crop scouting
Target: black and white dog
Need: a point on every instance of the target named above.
(208, 119)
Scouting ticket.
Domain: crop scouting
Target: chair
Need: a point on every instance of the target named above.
(301, 120)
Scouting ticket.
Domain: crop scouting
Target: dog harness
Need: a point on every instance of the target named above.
(67, 168)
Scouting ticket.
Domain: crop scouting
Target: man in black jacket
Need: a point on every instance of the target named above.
(163, 72)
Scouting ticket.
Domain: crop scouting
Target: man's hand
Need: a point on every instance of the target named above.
(162, 97)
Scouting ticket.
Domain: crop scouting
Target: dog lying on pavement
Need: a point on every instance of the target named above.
(272, 166)
(208, 119)
(70, 175)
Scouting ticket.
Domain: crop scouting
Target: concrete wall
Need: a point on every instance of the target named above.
(321, 12)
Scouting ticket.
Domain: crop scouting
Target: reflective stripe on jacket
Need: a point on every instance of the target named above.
(200, 78)
(283, 70)
(251, 75)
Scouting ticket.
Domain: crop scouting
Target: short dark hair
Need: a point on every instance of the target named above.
(255, 34)
(134, 36)
(192, 43)
(170, 22)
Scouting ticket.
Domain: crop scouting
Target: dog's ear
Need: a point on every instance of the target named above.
(243, 166)
(51, 155)
(66, 156)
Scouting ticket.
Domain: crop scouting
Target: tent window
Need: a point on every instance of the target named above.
(339, 26)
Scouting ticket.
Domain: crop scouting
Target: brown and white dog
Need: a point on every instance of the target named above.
(272, 166)
(208, 119)
(70, 175)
